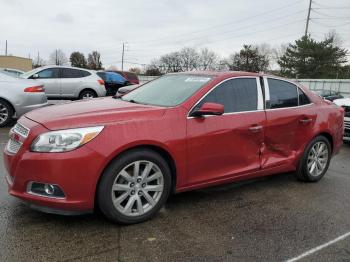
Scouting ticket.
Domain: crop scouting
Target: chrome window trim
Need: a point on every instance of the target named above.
(259, 95)
(267, 93)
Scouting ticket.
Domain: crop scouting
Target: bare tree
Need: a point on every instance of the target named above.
(189, 59)
(58, 57)
(208, 60)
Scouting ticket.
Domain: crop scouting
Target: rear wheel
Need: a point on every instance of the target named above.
(134, 187)
(6, 113)
(86, 94)
(315, 161)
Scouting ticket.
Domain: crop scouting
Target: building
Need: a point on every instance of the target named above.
(16, 62)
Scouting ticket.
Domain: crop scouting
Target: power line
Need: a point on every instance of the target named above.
(171, 37)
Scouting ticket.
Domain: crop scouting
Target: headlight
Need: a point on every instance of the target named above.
(64, 140)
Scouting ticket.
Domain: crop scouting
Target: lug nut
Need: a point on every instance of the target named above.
(138, 180)
(144, 185)
(132, 184)
(140, 193)
(133, 192)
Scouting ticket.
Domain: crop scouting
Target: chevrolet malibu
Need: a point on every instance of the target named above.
(180, 132)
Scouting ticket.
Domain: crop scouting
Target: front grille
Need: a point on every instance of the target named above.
(347, 124)
(21, 130)
(13, 146)
(347, 111)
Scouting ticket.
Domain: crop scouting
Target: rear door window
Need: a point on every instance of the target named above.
(282, 94)
(236, 95)
(303, 99)
(73, 73)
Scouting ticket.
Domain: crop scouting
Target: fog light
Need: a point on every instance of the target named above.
(49, 189)
(44, 189)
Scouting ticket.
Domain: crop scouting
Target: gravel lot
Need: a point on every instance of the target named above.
(269, 219)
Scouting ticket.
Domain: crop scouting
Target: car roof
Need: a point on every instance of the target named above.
(220, 73)
(69, 67)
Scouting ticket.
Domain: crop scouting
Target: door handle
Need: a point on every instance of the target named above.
(305, 121)
(255, 129)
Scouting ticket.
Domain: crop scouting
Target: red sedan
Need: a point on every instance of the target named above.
(179, 132)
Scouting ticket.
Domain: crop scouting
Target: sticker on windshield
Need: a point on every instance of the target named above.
(197, 79)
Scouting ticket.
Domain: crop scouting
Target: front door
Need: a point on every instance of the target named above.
(50, 78)
(229, 145)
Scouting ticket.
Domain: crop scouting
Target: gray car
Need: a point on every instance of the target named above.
(62, 82)
(18, 96)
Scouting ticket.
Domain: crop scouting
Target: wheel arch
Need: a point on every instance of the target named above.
(329, 137)
(9, 102)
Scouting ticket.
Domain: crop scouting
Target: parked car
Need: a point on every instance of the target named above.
(113, 82)
(345, 103)
(18, 96)
(127, 155)
(131, 77)
(12, 71)
(63, 82)
(329, 94)
(126, 89)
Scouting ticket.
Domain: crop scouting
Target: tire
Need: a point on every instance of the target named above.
(6, 113)
(86, 94)
(134, 192)
(313, 167)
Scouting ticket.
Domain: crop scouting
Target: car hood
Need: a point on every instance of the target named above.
(93, 112)
(342, 102)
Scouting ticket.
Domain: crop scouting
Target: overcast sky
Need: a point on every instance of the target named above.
(152, 28)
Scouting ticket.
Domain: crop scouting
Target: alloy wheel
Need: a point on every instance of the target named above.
(88, 95)
(137, 188)
(317, 159)
(4, 113)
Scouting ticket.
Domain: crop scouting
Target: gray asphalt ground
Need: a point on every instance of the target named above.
(269, 219)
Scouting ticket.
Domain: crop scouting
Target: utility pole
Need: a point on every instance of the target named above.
(308, 18)
(6, 49)
(56, 60)
(123, 58)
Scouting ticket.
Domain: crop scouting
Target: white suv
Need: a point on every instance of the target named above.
(345, 103)
(68, 82)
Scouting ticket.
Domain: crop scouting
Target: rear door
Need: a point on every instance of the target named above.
(224, 146)
(51, 80)
(290, 120)
(71, 81)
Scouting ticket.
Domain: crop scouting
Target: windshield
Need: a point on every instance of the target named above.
(169, 90)
(28, 74)
(5, 76)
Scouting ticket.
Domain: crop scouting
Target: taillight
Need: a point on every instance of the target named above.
(34, 89)
(101, 82)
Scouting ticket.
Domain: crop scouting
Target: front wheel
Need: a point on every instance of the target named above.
(315, 161)
(134, 187)
(6, 113)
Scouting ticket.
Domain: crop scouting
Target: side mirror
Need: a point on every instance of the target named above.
(209, 109)
(35, 76)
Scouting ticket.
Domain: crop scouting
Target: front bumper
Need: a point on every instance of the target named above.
(76, 172)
